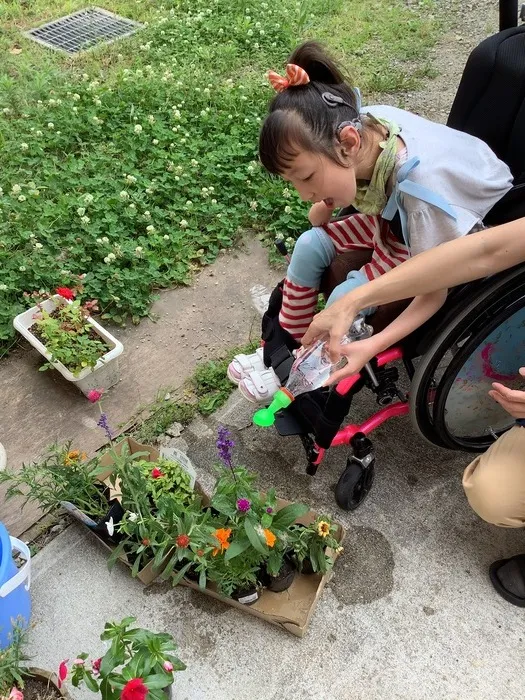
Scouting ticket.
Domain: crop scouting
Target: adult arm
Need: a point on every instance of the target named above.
(462, 260)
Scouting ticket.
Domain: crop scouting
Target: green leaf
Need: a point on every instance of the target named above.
(288, 515)
(180, 574)
(202, 578)
(116, 554)
(159, 680)
(237, 547)
(254, 538)
(90, 682)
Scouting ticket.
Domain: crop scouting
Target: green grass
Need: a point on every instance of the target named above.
(135, 163)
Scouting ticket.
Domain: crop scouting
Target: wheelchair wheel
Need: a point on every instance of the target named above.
(354, 484)
(483, 343)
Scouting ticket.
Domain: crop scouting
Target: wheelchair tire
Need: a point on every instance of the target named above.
(354, 484)
(441, 365)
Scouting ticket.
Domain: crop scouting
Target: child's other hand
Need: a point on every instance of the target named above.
(320, 214)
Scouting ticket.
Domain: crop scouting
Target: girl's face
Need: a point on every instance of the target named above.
(318, 178)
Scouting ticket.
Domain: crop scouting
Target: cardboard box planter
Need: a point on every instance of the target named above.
(148, 573)
(292, 609)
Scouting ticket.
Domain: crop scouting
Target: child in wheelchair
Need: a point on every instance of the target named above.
(412, 183)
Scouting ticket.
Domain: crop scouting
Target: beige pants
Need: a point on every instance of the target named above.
(495, 481)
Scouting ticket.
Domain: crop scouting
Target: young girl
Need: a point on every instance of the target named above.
(381, 160)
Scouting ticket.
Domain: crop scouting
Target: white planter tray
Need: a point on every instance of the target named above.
(105, 373)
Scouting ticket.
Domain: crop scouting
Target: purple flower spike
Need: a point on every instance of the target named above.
(103, 423)
(225, 446)
(244, 505)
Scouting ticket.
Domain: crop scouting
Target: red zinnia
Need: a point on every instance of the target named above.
(134, 690)
(182, 541)
(94, 395)
(156, 473)
(66, 293)
(146, 542)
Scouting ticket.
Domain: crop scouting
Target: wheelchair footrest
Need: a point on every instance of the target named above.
(287, 424)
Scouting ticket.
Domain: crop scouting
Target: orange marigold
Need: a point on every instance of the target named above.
(222, 535)
(269, 537)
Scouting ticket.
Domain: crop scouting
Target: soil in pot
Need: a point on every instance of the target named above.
(246, 596)
(192, 575)
(36, 688)
(283, 580)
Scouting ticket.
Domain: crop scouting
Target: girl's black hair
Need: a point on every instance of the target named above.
(300, 118)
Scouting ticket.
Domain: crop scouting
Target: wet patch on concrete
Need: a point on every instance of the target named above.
(202, 602)
(158, 588)
(364, 572)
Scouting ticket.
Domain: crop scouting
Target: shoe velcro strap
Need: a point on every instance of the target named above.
(282, 361)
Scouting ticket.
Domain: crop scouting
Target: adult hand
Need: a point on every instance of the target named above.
(320, 214)
(512, 400)
(332, 323)
(357, 354)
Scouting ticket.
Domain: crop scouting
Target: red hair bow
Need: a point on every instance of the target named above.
(295, 75)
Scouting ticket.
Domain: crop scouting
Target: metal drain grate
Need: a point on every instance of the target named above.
(82, 30)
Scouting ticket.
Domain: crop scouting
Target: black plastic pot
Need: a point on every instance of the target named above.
(117, 513)
(246, 596)
(283, 580)
(192, 575)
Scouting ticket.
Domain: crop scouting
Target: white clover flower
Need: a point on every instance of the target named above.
(288, 210)
(38, 246)
(253, 206)
(34, 192)
(16, 189)
(151, 119)
(137, 129)
(183, 140)
(50, 125)
(219, 215)
(256, 45)
(149, 190)
(81, 211)
(85, 219)
(6, 110)
(99, 241)
(258, 25)
(203, 112)
(150, 229)
(214, 201)
(147, 214)
(97, 102)
(105, 239)
(1, 191)
(194, 162)
(155, 142)
(176, 178)
(206, 91)
(212, 189)
(132, 206)
(131, 179)
(88, 198)
(74, 109)
(76, 97)
(166, 237)
(286, 193)
(96, 120)
(39, 133)
(262, 32)
(3, 287)
(124, 195)
(21, 198)
(52, 102)
(138, 250)
(24, 146)
(189, 204)
(183, 223)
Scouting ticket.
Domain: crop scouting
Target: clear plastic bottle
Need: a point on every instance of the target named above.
(310, 371)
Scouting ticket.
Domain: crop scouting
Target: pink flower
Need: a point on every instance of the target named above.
(95, 665)
(156, 473)
(78, 662)
(167, 666)
(94, 395)
(62, 672)
(16, 694)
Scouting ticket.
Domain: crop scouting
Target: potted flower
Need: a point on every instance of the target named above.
(138, 664)
(21, 682)
(310, 544)
(61, 329)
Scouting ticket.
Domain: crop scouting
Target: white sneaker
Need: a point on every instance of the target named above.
(259, 387)
(242, 364)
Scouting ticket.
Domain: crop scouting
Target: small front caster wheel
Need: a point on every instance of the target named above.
(354, 484)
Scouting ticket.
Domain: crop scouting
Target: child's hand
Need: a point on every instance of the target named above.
(357, 355)
(320, 214)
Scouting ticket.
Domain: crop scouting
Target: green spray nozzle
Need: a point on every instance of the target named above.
(265, 417)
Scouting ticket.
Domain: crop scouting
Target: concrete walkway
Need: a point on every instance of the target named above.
(194, 324)
(409, 615)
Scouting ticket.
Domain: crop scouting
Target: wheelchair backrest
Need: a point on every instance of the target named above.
(490, 101)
